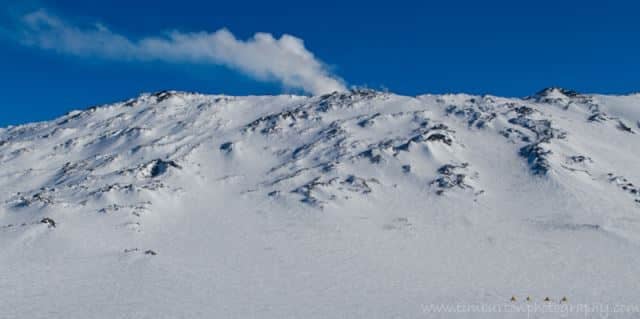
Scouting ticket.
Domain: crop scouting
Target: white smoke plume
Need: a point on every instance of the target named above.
(263, 56)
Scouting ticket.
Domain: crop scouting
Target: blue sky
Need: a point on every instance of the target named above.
(511, 48)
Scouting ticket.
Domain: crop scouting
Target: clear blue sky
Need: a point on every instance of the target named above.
(511, 48)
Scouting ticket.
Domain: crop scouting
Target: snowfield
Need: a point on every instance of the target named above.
(360, 204)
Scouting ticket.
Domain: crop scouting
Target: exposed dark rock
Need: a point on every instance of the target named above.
(328, 167)
(374, 158)
(153, 186)
(43, 197)
(624, 184)
(368, 122)
(514, 135)
(478, 116)
(150, 252)
(578, 163)
(452, 175)
(158, 167)
(579, 159)
(339, 100)
(317, 192)
(72, 116)
(273, 193)
(357, 184)
(537, 158)
(335, 133)
(440, 126)
(542, 128)
(524, 110)
(438, 137)
(111, 208)
(112, 187)
(163, 95)
(273, 123)
(450, 181)
(307, 190)
(402, 147)
(448, 169)
(624, 127)
(48, 221)
(597, 117)
(547, 95)
(226, 147)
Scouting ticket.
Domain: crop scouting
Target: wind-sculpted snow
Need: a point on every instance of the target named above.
(309, 148)
(175, 175)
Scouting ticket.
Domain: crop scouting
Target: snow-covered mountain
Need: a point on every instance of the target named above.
(361, 204)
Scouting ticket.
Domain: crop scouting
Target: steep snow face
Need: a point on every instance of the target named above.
(358, 204)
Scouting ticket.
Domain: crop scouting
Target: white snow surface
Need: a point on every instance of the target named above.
(360, 204)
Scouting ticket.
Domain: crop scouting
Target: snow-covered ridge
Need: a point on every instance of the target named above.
(558, 163)
(322, 140)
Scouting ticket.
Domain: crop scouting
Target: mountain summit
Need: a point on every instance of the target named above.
(354, 204)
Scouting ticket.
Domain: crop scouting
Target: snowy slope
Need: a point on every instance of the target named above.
(349, 205)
